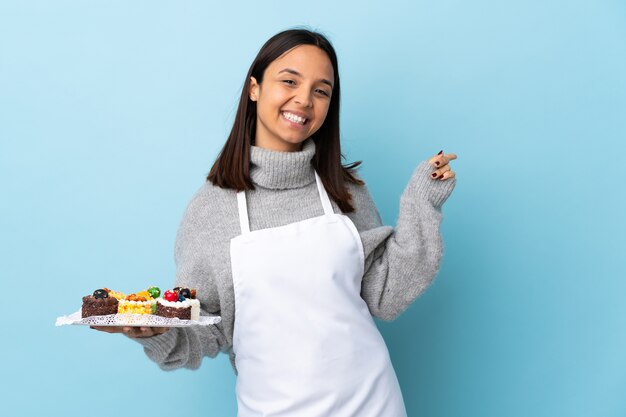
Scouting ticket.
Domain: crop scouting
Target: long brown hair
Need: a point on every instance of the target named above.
(232, 166)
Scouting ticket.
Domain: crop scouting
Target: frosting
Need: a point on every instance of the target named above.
(180, 304)
(194, 303)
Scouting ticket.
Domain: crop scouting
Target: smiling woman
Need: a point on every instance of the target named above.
(285, 243)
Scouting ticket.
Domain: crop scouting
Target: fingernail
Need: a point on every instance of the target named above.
(440, 176)
(440, 152)
(437, 163)
(434, 174)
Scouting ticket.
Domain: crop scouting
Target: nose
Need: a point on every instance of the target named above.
(303, 97)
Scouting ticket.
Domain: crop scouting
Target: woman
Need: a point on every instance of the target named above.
(267, 244)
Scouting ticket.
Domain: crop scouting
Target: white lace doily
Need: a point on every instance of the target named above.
(134, 320)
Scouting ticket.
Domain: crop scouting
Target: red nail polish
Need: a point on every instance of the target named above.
(434, 174)
(437, 163)
(440, 152)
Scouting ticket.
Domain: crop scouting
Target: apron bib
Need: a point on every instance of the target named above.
(305, 342)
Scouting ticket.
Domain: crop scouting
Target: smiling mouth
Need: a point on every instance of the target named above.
(294, 119)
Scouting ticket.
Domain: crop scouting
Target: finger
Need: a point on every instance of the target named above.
(132, 332)
(142, 332)
(151, 331)
(438, 161)
(437, 173)
(441, 160)
(447, 175)
(432, 161)
(158, 330)
(107, 329)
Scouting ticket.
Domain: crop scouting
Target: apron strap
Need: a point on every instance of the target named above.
(243, 212)
(328, 208)
(244, 222)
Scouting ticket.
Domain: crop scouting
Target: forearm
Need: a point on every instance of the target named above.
(404, 264)
(185, 347)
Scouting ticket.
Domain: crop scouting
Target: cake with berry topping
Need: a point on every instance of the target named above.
(100, 303)
(179, 303)
(143, 302)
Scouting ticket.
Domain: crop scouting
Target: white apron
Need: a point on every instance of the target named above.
(305, 342)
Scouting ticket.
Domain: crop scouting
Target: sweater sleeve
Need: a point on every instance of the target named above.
(185, 347)
(401, 263)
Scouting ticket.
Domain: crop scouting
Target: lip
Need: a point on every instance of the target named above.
(297, 113)
(293, 124)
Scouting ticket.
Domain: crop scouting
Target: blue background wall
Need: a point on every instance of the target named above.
(111, 114)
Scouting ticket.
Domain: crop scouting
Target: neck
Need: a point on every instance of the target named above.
(275, 145)
(270, 168)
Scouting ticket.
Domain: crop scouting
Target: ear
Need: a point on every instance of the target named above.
(254, 89)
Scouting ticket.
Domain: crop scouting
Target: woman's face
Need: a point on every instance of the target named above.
(296, 86)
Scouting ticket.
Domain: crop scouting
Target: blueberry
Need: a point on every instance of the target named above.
(184, 292)
(99, 294)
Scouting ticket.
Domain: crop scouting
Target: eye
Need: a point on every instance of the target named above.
(292, 82)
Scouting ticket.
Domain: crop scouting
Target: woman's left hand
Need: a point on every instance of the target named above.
(443, 171)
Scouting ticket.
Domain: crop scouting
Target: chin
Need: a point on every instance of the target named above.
(295, 141)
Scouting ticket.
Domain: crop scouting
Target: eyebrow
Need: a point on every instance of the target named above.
(294, 72)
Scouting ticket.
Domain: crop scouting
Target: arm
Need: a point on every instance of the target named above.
(186, 346)
(400, 264)
(183, 347)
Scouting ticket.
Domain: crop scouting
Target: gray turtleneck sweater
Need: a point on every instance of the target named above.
(400, 263)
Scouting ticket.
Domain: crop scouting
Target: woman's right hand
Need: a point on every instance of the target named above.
(133, 332)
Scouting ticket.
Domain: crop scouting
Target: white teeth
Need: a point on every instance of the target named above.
(294, 118)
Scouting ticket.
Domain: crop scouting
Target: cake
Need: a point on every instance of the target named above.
(99, 304)
(116, 294)
(176, 303)
(179, 303)
(143, 302)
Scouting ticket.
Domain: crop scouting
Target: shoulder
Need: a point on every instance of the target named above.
(359, 193)
(365, 215)
(209, 202)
